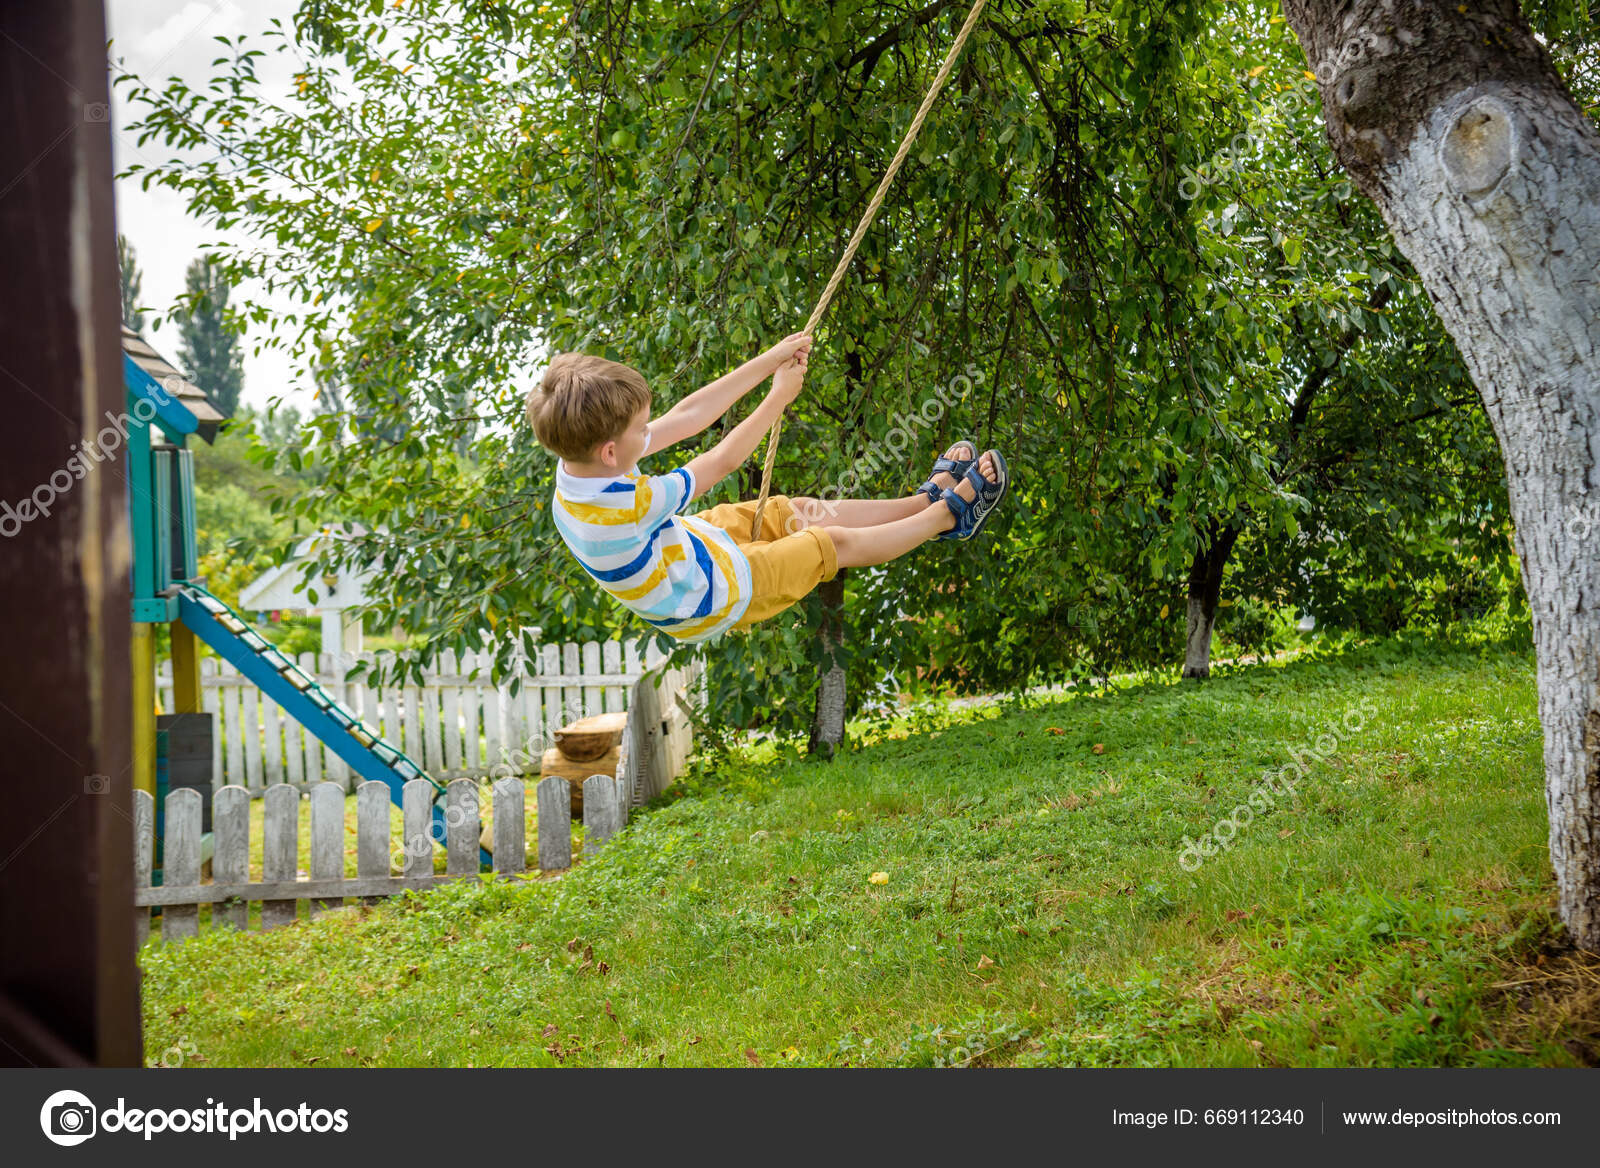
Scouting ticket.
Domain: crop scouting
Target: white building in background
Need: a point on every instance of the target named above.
(338, 598)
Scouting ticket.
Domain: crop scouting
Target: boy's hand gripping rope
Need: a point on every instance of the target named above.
(855, 238)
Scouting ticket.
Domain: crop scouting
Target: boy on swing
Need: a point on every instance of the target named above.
(695, 576)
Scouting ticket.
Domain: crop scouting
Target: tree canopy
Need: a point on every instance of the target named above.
(1121, 251)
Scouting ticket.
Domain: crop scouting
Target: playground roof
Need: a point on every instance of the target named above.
(188, 409)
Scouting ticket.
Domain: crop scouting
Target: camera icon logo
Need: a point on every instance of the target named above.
(68, 1118)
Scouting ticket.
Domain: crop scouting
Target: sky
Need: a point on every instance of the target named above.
(157, 39)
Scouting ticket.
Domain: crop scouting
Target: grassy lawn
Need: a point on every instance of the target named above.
(998, 886)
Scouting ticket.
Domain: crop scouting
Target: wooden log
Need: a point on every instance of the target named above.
(554, 763)
(327, 840)
(555, 823)
(510, 847)
(230, 852)
(280, 838)
(589, 738)
(180, 862)
(144, 856)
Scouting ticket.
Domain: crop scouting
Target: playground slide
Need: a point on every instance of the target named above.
(300, 696)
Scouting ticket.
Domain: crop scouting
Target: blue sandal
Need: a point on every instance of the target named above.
(970, 516)
(956, 467)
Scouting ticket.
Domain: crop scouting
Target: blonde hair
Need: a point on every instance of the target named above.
(583, 402)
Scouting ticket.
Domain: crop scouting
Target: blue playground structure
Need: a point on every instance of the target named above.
(164, 408)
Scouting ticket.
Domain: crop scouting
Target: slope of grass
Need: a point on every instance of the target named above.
(998, 886)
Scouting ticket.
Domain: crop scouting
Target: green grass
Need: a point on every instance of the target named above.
(1395, 911)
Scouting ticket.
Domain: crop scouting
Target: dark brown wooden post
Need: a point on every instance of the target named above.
(68, 982)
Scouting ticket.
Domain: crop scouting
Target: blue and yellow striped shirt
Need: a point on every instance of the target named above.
(679, 573)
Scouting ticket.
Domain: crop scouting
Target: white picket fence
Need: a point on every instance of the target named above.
(455, 725)
(655, 745)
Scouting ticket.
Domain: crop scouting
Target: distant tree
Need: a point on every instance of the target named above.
(132, 283)
(279, 427)
(211, 354)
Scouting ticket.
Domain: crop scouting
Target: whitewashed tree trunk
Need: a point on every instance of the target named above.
(827, 723)
(1455, 123)
(1205, 592)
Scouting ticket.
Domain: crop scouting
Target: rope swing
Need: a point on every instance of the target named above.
(856, 236)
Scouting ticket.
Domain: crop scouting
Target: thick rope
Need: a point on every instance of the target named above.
(859, 233)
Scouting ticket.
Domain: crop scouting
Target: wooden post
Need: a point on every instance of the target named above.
(280, 840)
(555, 823)
(143, 664)
(144, 852)
(510, 845)
(230, 854)
(68, 983)
(185, 670)
(600, 812)
(327, 840)
(372, 831)
(180, 861)
(461, 828)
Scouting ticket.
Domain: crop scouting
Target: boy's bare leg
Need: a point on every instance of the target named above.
(854, 512)
(872, 512)
(859, 547)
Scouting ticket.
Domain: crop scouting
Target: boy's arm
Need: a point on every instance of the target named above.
(704, 406)
(728, 455)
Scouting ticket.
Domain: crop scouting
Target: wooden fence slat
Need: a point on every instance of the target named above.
(432, 760)
(272, 741)
(308, 662)
(450, 717)
(327, 840)
(471, 744)
(230, 852)
(461, 828)
(572, 705)
(600, 818)
(331, 667)
(294, 759)
(593, 695)
(211, 703)
(372, 829)
(280, 836)
(164, 696)
(554, 707)
(250, 697)
(144, 856)
(228, 729)
(611, 652)
(290, 891)
(410, 740)
(510, 839)
(494, 703)
(530, 709)
(555, 823)
(180, 861)
(416, 801)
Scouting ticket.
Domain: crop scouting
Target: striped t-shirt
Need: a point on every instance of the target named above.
(679, 573)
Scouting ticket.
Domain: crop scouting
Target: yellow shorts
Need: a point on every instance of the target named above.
(785, 565)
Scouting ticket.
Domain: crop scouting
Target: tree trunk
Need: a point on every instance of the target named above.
(827, 723)
(1205, 590)
(1455, 123)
